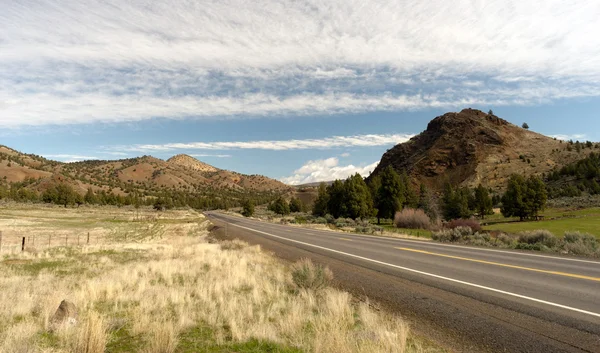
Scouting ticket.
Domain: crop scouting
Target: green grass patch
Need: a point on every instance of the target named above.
(35, 267)
(201, 339)
(557, 227)
(122, 341)
(557, 221)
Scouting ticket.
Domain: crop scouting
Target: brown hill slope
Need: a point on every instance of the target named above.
(473, 147)
(143, 174)
(186, 161)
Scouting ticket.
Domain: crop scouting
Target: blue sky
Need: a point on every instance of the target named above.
(300, 91)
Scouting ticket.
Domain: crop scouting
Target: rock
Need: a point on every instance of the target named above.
(65, 316)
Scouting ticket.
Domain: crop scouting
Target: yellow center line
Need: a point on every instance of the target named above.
(597, 279)
(346, 239)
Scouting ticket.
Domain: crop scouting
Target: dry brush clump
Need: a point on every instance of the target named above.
(149, 293)
(412, 219)
(306, 275)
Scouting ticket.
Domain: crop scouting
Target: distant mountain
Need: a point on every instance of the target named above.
(143, 174)
(313, 185)
(472, 147)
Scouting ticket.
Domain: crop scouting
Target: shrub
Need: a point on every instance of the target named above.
(580, 243)
(452, 235)
(344, 222)
(306, 275)
(505, 239)
(412, 219)
(471, 223)
(330, 219)
(300, 220)
(541, 236)
(233, 244)
(369, 229)
(321, 220)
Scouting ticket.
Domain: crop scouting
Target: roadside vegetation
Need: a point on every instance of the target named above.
(178, 290)
(388, 204)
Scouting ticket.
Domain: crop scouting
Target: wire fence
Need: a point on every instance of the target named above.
(14, 243)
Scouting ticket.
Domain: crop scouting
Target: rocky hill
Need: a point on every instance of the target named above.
(472, 147)
(147, 175)
(189, 162)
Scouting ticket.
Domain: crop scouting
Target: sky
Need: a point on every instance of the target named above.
(298, 90)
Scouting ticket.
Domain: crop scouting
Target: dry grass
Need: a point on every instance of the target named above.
(142, 296)
(412, 219)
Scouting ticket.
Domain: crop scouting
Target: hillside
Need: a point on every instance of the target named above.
(473, 147)
(143, 175)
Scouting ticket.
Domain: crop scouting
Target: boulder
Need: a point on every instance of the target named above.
(65, 315)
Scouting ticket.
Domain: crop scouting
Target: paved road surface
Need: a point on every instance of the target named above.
(482, 299)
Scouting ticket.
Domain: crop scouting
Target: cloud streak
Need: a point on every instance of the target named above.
(326, 170)
(74, 62)
(276, 145)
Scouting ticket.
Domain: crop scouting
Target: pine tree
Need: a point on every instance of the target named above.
(374, 185)
(280, 206)
(455, 203)
(337, 199)
(247, 208)
(524, 198)
(411, 199)
(390, 195)
(90, 198)
(483, 201)
(320, 205)
(296, 205)
(358, 201)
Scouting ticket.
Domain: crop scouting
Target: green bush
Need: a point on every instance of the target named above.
(540, 236)
(580, 244)
(320, 220)
(505, 239)
(306, 275)
(330, 219)
(452, 235)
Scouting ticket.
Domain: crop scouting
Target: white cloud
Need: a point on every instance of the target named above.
(211, 155)
(68, 158)
(370, 140)
(574, 137)
(326, 170)
(345, 155)
(113, 61)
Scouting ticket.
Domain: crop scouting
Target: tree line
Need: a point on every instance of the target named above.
(390, 192)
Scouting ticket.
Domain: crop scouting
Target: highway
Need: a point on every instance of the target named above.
(473, 299)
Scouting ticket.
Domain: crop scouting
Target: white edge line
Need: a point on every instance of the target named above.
(441, 244)
(428, 274)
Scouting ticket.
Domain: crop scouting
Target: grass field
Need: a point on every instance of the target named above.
(169, 290)
(585, 220)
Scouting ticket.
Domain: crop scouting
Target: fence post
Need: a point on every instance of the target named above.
(77, 239)
(49, 239)
(33, 237)
(88, 239)
(66, 239)
(23, 244)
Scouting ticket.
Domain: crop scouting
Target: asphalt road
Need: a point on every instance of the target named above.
(472, 299)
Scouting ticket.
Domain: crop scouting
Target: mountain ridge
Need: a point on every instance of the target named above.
(145, 174)
(470, 147)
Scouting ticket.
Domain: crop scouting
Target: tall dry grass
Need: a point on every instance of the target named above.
(174, 284)
(412, 219)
